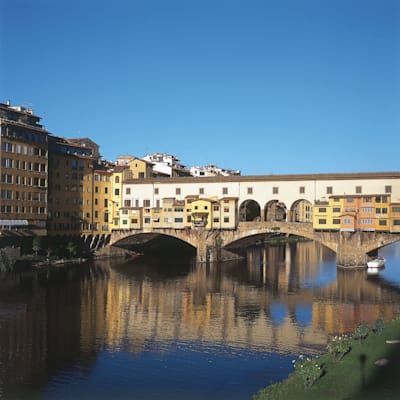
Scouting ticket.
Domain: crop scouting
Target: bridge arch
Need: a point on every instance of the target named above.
(275, 210)
(249, 210)
(140, 240)
(301, 211)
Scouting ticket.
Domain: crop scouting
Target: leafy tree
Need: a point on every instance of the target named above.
(37, 244)
(71, 248)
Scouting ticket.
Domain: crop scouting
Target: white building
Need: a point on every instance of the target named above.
(212, 170)
(166, 165)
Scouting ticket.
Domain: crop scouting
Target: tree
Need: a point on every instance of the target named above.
(71, 248)
(37, 244)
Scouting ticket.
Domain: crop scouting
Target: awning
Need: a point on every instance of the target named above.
(13, 222)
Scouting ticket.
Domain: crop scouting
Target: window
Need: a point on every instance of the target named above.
(302, 189)
(366, 221)
(225, 190)
(382, 222)
(147, 220)
(358, 189)
(350, 200)
(384, 210)
(178, 191)
(226, 209)
(215, 208)
(134, 221)
(6, 163)
(201, 190)
(117, 179)
(336, 209)
(105, 204)
(366, 210)
(396, 222)
(368, 199)
(226, 219)
(347, 221)
(275, 190)
(336, 221)
(116, 192)
(329, 190)
(216, 220)
(395, 209)
(322, 209)
(249, 190)
(128, 190)
(378, 210)
(178, 220)
(146, 203)
(127, 203)
(6, 178)
(377, 199)
(388, 189)
(322, 221)
(155, 190)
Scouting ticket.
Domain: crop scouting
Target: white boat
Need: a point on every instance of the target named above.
(376, 263)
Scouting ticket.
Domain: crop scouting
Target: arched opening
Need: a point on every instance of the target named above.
(275, 210)
(249, 210)
(301, 211)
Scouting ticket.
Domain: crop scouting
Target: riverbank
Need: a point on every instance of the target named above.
(369, 370)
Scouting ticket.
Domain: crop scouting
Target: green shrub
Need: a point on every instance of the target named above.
(361, 332)
(308, 370)
(338, 347)
(379, 324)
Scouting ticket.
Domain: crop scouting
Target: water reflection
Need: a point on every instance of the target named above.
(57, 326)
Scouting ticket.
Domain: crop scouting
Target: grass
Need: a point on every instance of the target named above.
(354, 377)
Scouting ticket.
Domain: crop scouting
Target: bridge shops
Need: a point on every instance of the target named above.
(342, 202)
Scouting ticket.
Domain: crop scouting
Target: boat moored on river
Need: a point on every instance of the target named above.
(376, 264)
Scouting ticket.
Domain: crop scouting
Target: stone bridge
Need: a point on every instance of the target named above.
(351, 248)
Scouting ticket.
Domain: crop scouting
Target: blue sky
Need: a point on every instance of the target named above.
(264, 86)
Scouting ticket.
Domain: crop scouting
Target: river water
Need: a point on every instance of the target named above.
(169, 329)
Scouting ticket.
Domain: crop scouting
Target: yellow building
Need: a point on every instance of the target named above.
(100, 206)
(139, 169)
(395, 217)
(131, 218)
(382, 208)
(228, 214)
(168, 213)
(202, 213)
(188, 209)
(327, 213)
(117, 178)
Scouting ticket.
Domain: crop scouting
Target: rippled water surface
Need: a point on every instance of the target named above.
(173, 330)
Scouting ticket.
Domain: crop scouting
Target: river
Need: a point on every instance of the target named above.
(168, 329)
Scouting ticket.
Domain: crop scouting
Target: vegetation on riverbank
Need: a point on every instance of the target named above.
(24, 252)
(365, 365)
